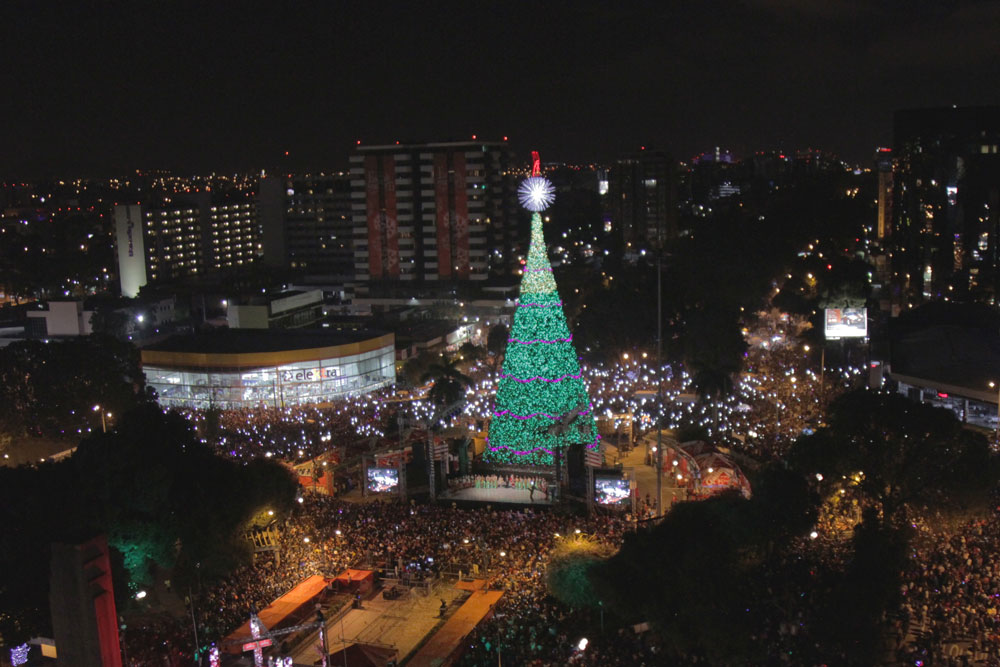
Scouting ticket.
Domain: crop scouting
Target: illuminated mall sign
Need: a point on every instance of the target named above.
(310, 374)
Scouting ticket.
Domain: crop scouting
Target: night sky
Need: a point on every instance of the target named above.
(93, 89)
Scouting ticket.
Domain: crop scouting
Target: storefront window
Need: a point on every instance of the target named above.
(305, 382)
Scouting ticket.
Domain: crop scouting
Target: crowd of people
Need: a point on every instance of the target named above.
(529, 627)
(326, 536)
(950, 614)
(294, 432)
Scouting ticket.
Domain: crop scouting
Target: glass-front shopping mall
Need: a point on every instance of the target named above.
(246, 368)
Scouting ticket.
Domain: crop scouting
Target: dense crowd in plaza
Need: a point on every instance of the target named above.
(325, 536)
(950, 614)
(771, 404)
(291, 433)
(951, 596)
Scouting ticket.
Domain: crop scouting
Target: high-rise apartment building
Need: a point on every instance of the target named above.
(307, 224)
(641, 201)
(945, 232)
(439, 212)
(177, 237)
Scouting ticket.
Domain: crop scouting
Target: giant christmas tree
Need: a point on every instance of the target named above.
(542, 405)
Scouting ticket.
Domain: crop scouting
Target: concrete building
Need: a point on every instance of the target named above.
(945, 231)
(178, 237)
(437, 212)
(642, 199)
(60, 318)
(73, 317)
(307, 223)
(289, 309)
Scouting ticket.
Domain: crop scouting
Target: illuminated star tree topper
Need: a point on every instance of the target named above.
(536, 192)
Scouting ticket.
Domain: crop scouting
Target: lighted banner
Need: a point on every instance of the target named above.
(846, 323)
(612, 490)
(383, 480)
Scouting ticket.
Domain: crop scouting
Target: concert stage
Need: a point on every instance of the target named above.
(499, 494)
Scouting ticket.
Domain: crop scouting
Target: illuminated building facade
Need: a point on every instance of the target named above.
(642, 198)
(178, 238)
(247, 368)
(307, 223)
(945, 232)
(438, 212)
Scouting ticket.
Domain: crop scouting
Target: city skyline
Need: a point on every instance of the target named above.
(233, 87)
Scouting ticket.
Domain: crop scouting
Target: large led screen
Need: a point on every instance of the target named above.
(383, 480)
(846, 323)
(612, 490)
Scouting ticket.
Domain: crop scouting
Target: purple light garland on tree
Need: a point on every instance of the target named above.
(541, 381)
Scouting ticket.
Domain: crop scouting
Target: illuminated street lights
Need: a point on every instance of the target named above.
(659, 369)
(993, 385)
(104, 424)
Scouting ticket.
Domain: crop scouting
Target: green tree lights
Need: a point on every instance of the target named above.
(541, 380)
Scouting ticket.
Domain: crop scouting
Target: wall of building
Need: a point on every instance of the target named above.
(316, 380)
(432, 212)
(131, 250)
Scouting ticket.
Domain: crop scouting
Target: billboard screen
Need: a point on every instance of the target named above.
(846, 323)
(383, 480)
(612, 490)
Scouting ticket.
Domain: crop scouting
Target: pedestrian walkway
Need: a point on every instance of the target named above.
(645, 474)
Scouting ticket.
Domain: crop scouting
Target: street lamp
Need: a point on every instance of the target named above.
(993, 385)
(104, 424)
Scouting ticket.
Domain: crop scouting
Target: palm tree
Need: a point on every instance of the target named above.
(449, 382)
(496, 344)
(560, 427)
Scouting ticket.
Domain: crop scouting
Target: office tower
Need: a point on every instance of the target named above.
(183, 236)
(642, 198)
(945, 233)
(82, 599)
(435, 213)
(306, 223)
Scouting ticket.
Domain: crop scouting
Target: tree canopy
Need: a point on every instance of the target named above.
(449, 381)
(895, 452)
(707, 576)
(51, 388)
(161, 497)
